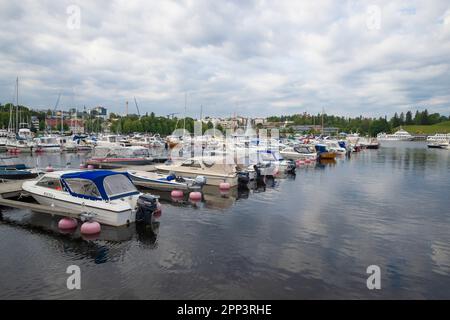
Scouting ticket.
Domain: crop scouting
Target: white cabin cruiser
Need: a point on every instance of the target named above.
(47, 144)
(20, 145)
(299, 153)
(400, 135)
(109, 196)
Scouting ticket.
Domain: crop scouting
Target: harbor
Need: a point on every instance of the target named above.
(291, 237)
(224, 155)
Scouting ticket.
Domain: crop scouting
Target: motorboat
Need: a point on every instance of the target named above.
(166, 182)
(20, 145)
(335, 147)
(47, 144)
(111, 140)
(108, 157)
(400, 135)
(323, 152)
(215, 169)
(298, 153)
(106, 196)
(13, 170)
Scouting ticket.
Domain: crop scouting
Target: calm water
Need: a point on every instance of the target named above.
(311, 236)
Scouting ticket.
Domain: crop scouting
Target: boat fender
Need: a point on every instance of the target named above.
(67, 223)
(90, 167)
(195, 196)
(49, 168)
(224, 186)
(82, 166)
(90, 227)
(176, 194)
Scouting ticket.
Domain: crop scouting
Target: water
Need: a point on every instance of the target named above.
(312, 236)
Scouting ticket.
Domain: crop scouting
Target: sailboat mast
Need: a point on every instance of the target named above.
(185, 103)
(17, 105)
(322, 121)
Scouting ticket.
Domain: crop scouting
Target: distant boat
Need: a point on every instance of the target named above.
(400, 135)
(115, 156)
(324, 153)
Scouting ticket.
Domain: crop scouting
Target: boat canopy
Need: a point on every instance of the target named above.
(99, 184)
(321, 148)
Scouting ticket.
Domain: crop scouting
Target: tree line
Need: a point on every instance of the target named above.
(364, 125)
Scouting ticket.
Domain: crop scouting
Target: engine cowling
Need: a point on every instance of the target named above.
(147, 204)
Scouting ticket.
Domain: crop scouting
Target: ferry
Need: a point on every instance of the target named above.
(400, 135)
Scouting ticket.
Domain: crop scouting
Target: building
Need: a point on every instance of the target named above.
(257, 121)
(35, 122)
(99, 112)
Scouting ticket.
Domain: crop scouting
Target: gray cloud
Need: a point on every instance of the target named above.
(249, 57)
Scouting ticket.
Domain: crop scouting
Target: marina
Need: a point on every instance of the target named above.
(231, 235)
(224, 155)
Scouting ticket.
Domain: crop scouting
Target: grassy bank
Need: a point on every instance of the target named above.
(443, 127)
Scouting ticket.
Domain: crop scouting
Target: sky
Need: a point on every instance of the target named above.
(251, 58)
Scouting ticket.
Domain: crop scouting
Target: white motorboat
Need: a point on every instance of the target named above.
(215, 169)
(20, 145)
(400, 135)
(164, 182)
(47, 144)
(110, 197)
(298, 153)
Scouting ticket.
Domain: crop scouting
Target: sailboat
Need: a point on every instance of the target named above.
(21, 139)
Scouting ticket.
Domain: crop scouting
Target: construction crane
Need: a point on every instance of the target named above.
(135, 102)
(171, 114)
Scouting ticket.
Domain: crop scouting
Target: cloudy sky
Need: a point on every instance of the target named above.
(249, 57)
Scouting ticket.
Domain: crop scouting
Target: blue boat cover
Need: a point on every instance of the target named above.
(321, 148)
(97, 177)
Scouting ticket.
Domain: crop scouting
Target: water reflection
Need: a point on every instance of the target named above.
(306, 236)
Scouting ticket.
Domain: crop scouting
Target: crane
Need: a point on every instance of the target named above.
(135, 102)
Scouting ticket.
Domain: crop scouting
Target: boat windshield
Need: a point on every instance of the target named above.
(118, 184)
(83, 187)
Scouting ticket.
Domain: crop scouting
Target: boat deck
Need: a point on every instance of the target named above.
(9, 191)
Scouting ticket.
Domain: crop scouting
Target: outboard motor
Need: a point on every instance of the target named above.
(146, 207)
(243, 177)
(291, 166)
(200, 180)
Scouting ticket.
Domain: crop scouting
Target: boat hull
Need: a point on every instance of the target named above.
(107, 217)
(163, 185)
(210, 180)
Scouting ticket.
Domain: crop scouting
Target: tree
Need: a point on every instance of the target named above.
(408, 118)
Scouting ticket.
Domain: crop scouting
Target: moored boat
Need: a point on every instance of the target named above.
(166, 182)
(215, 169)
(110, 197)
